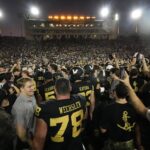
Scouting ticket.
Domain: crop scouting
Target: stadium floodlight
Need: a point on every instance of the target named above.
(1, 14)
(34, 11)
(117, 23)
(136, 14)
(104, 12)
(116, 17)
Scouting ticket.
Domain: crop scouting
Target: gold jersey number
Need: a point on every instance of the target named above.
(49, 95)
(87, 94)
(76, 121)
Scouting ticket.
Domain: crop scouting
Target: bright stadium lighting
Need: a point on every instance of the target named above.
(50, 17)
(82, 17)
(136, 14)
(34, 11)
(117, 24)
(69, 17)
(88, 17)
(75, 17)
(104, 12)
(1, 14)
(116, 17)
(62, 17)
(56, 17)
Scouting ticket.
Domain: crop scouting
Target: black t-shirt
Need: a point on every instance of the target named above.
(47, 91)
(143, 122)
(83, 88)
(64, 121)
(120, 121)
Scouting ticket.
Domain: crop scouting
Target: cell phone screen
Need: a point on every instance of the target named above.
(122, 73)
(102, 89)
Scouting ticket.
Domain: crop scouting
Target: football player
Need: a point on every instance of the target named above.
(59, 122)
(46, 90)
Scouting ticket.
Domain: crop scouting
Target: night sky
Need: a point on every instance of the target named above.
(14, 11)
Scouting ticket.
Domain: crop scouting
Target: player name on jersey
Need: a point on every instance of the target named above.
(70, 108)
(84, 88)
(49, 89)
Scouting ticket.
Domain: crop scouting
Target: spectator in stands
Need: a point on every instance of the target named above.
(2, 80)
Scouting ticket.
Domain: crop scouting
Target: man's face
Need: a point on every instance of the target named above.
(28, 89)
(5, 103)
(2, 69)
(17, 73)
(49, 68)
(24, 75)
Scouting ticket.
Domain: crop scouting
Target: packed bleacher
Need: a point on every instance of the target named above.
(74, 94)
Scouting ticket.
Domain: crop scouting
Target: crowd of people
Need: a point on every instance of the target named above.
(74, 94)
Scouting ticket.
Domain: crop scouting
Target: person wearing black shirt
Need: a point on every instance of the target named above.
(86, 89)
(4, 102)
(59, 122)
(7, 131)
(46, 90)
(144, 124)
(119, 120)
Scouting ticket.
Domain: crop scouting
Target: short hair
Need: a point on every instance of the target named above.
(3, 96)
(7, 131)
(26, 72)
(16, 70)
(121, 90)
(2, 77)
(62, 86)
(8, 76)
(54, 67)
(22, 81)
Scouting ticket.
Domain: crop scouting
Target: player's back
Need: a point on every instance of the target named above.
(83, 88)
(64, 121)
(47, 91)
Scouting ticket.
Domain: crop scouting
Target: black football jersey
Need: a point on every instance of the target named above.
(47, 91)
(64, 121)
(83, 88)
(92, 80)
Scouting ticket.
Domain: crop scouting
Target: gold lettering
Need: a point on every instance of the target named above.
(84, 88)
(69, 108)
(49, 89)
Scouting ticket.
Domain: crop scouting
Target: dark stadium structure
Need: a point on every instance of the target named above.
(59, 27)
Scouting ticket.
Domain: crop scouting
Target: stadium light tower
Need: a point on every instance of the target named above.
(1, 14)
(136, 15)
(116, 17)
(117, 23)
(34, 11)
(104, 12)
